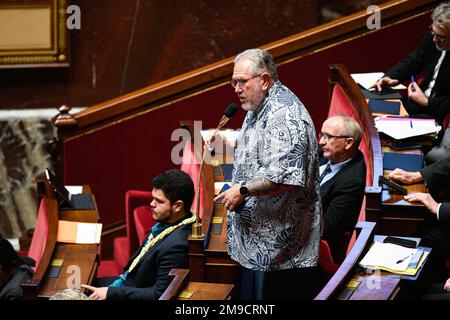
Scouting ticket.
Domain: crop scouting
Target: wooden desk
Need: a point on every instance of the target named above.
(181, 289)
(80, 260)
(206, 291)
(349, 283)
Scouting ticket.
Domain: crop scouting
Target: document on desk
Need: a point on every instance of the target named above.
(368, 79)
(78, 232)
(393, 258)
(404, 127)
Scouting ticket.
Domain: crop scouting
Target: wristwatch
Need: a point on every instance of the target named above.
(243, 190)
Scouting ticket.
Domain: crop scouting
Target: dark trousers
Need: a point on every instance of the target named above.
(289, 284)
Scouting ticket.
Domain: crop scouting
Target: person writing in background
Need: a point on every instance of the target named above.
(274, 209)
(435, 230)
(430, 99)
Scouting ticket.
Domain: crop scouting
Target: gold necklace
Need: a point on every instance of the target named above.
(160, 236)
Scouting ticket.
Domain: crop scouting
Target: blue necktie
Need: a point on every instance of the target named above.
(325, 172)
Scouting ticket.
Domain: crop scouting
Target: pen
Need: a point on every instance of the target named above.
(403, 259)
(413, 80)
(410, 123)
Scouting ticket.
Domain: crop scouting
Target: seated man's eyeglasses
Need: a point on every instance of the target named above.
(241, 82)
(438, 37)
(327, 136)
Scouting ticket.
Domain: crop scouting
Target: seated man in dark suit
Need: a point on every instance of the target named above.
(147, 274)
(432, 98)
(342, 180)
(435, 231)
(14, 269)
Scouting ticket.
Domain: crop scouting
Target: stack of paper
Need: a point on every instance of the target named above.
(393, 258)
(403, 127)
(366, 80)
(78, 232)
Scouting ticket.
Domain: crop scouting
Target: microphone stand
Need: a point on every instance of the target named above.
(197, 228)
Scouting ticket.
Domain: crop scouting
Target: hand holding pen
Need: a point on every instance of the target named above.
(413, 81)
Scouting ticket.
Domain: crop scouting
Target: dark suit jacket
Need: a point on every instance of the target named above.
(342, 197)
(150, 277)
(436, 233)
(12, 290)
(423, 59)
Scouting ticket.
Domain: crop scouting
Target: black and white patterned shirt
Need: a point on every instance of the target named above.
(278, 142)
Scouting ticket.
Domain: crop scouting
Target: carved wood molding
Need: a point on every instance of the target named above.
(193, 82)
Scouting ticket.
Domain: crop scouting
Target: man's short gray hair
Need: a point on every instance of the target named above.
(441, 15)
(69, 294)
(351, 128)
(262, 61)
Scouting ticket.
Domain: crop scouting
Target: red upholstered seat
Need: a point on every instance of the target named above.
(144, 221)
(326, 263)
(192, 167)
(446, 122)
(124, 247)
(40, 234)
(108, 268)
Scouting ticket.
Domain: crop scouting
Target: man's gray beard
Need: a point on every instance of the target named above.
(252, 107)
(249, 107)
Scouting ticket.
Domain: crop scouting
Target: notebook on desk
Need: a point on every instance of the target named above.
(382, 106)
(386, 93)
(405, 161)
(66, 200)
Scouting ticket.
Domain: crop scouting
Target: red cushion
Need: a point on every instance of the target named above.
(40, 234)
(121, 252)
(107, 268)
(143, 218)
(191, 166)
(446, 122)
(134, 199)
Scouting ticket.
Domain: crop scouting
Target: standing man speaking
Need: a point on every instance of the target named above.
(274, 209)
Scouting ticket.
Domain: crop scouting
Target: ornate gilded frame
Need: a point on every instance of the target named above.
(33, 33)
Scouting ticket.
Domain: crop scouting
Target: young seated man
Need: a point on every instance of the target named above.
(147, 274)
(14, 269)
(342, 180)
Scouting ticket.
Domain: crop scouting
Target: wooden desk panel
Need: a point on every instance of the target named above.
(80, 261)
(207, 291)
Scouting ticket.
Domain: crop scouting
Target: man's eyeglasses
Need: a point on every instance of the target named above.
(327, 136)
(241, 82)
(438, 37)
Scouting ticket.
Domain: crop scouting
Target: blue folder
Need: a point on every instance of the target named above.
(382, 106)
(405, 161)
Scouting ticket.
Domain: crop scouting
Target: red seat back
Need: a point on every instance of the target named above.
(446, 121)
(143, 218)
(40, 234)
(134, 199)
(191, 166)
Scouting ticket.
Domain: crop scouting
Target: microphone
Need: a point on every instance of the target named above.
(229, 112)
(227, 115)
